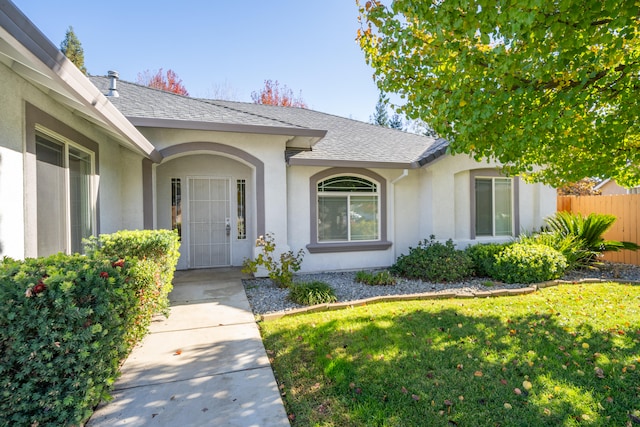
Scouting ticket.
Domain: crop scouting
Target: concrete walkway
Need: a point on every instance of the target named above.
(203, 366)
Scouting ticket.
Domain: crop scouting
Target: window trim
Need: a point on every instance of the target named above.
(515, 201)
(351, 246)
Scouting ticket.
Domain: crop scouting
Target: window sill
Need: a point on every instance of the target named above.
(321, 248)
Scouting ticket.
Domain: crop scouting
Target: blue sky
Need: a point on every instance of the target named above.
(225, 45)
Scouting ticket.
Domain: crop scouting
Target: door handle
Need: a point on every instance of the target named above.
(228, 226)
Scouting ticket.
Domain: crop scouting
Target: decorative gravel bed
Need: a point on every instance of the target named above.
(266, 298)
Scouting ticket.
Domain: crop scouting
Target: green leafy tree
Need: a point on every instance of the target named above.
(72, 49)
(549, 88)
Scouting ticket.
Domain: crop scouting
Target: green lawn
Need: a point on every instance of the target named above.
(566, 355)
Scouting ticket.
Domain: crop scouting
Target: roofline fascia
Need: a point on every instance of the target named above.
(150, 122)
(39, 48)
(293, 161)
(432, 157)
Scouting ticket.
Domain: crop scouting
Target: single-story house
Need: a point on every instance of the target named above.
(608, 187)
(86, 155)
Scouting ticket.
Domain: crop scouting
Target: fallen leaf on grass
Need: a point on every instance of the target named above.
(508, 406)
(599, 372)
(517, 391)
(526, 385)
(415, 397)
(404, 390)
(477, 373)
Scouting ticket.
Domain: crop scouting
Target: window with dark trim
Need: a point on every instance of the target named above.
(348, 211)
(493, 206)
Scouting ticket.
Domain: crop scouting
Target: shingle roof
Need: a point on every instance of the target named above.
(346, 141)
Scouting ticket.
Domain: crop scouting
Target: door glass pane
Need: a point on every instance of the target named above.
(364, 217)
(81, 218)
(176, 206)
(484, 210)
(241, 188)
(503, 207)
(332, 219)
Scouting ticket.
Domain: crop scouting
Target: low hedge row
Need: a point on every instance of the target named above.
(514, 262)
(68, 321)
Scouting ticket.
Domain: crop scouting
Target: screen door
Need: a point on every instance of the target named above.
(209, 223)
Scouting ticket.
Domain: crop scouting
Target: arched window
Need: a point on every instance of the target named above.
(348, 210)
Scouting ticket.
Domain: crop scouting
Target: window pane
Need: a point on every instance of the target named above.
(49, 151)
(364, 217)
(347, 184)
(332, 219)
(81, 212)
(503, 207)
(51, 208)
(484, 211)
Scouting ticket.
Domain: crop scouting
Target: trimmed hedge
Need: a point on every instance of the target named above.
(434, 261)
(483, 256)
(68, 321)
(528, 263)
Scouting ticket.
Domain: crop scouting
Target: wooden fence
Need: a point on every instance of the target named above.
(625, 207)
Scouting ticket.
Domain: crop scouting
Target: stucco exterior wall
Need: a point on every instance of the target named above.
(272, 185)
(433, 200)
(18, 211)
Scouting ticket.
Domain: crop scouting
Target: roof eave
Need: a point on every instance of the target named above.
(294, 161)
(61, 76)
(302, 137)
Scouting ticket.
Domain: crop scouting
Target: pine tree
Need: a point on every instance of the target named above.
(72, 49)
(380, 116)
(396, 122)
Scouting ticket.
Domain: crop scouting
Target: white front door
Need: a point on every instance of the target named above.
(209, 222)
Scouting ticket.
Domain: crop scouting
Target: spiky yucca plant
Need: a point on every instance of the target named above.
(588, 231)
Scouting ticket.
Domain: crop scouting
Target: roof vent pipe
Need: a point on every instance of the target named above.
(113, 78)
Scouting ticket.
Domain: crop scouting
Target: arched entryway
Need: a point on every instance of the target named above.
(214, 198)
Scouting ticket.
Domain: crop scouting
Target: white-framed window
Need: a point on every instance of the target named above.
(348, 210)
(65, 194)
(494, 206)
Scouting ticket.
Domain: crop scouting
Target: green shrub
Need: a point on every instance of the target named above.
(434, 261)
(63, 331)
(280, 269)
(528, 263)
(570, 246)
(311, 293)
(381, 278)
(484, 256)
(68, 321)
(157, 251)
